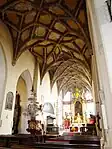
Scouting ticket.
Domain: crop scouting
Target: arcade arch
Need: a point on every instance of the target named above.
(23, 88)
(45, 89)
(3, 74)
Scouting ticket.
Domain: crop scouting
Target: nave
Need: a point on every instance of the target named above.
(55, 74)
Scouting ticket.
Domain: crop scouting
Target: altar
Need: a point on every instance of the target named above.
(77, 127)
(76, 119)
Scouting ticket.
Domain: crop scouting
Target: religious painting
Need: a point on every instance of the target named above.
(78, 108)
(9, 101)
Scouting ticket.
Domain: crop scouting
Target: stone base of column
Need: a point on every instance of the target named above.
(102, 142)
(108, 143)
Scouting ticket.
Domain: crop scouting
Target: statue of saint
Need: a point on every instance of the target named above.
(78, 119)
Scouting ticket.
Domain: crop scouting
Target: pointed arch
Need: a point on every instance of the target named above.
(3, 75)
(28, 80)
(23, 90)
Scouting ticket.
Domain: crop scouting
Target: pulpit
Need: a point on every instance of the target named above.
(34, 127)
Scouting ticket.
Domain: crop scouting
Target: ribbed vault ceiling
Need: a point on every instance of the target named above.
(56, 33)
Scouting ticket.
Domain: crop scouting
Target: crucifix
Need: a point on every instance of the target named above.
(109, 6)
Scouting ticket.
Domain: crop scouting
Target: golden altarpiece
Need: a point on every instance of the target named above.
(77, 106)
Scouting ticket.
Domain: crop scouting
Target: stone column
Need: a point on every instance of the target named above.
(84, 112)
(56, 111)
(102, 44)
(72, 110)
(96, 88)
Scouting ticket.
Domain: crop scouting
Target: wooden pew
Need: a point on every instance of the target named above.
(63, 142)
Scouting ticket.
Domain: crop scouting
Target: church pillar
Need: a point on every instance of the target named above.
(72, 111)
(56, 111)
(95, 84)
(95, 89)
(101, 36)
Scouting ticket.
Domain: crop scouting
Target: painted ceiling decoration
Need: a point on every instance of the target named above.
(56, 33)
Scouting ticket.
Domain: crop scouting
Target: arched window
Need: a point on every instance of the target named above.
(48, 108)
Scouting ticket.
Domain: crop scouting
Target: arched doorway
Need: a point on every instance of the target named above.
(23, 88)
(2, 76)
